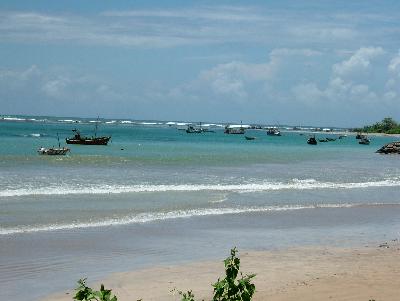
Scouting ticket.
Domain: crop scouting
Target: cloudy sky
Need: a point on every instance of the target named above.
(287, 62)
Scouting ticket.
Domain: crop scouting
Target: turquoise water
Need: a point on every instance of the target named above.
(153, 171)
(158, 195)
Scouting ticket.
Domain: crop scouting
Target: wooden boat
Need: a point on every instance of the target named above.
(94, 140)
(312, 140)
(360, 136)
(78, 139)
(236, 130)
(53, 151)
(364, 141)
(273, 132)
(192, 130)
(249, 138)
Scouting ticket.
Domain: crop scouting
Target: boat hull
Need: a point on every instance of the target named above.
(89, 141)
(54, 151)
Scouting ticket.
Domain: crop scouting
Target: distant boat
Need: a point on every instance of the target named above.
(312, 140)
(273, 132)
(249, 138)
(360, 135)
(94, 140)
(233, 129)
(364, 141)
(53, 151)
(323, 140)
(192, 130)
(342, 136)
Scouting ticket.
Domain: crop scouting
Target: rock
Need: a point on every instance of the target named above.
(390, 148)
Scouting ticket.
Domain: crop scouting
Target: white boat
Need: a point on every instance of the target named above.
(273, 132)
(53, 151)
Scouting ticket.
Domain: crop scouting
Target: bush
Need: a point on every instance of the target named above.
(85, 293)
(230, 288)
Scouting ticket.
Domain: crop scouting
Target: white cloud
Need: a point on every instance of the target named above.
(394, 65)
(56, 87)
(359, 61)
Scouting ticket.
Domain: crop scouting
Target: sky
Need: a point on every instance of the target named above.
(332, 63)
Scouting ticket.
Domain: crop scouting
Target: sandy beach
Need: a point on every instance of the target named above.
(369, 272)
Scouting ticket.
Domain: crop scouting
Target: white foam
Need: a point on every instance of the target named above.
(14, 119)
(160, 216)
(35, 135)
(295, 184)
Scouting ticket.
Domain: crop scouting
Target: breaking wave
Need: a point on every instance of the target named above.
(241, 188)
(161, 216)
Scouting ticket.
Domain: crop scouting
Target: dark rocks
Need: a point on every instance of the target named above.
(390, 148)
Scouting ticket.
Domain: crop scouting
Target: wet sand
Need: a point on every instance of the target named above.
(308, 273)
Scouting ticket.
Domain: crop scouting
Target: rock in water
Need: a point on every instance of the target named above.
(390, 148)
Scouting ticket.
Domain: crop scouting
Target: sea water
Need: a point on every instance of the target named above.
(157, 194)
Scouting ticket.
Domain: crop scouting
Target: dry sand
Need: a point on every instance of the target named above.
(301, 274)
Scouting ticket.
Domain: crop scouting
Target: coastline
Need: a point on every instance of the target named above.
(302, 273)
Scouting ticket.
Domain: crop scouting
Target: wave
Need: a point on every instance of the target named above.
(169, 215)
(240, 188)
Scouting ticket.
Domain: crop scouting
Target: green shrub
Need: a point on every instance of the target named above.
(230, 288)
(85, 293)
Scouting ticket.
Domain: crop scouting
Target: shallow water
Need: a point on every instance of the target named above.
(159, 195)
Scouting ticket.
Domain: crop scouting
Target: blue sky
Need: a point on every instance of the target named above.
(287, 62)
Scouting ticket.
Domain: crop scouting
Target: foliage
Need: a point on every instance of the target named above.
(85, 293)
(188, 296)
(387, 126)
(230, 288)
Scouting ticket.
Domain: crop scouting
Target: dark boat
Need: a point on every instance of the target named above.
(323, 140)
(312, 141)
(78, 139)
(94, 140)
(192, 130)
(364, 141)
(230, 129)
(249, 138)
(273, 132)
(360, 136)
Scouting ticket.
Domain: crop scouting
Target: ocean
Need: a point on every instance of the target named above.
(157, 195)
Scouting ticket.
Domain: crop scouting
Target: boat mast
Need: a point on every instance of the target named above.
(97, 124)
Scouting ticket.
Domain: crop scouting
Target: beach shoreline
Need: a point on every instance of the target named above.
(368, 272)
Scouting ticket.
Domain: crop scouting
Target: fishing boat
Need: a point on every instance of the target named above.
(323, 140)
(312, 140)
(249, 138)
(273, 132)
(360, 135)
(235, 129)
(192, 130)
(53, 151)
(94, 140)
(364, 141)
